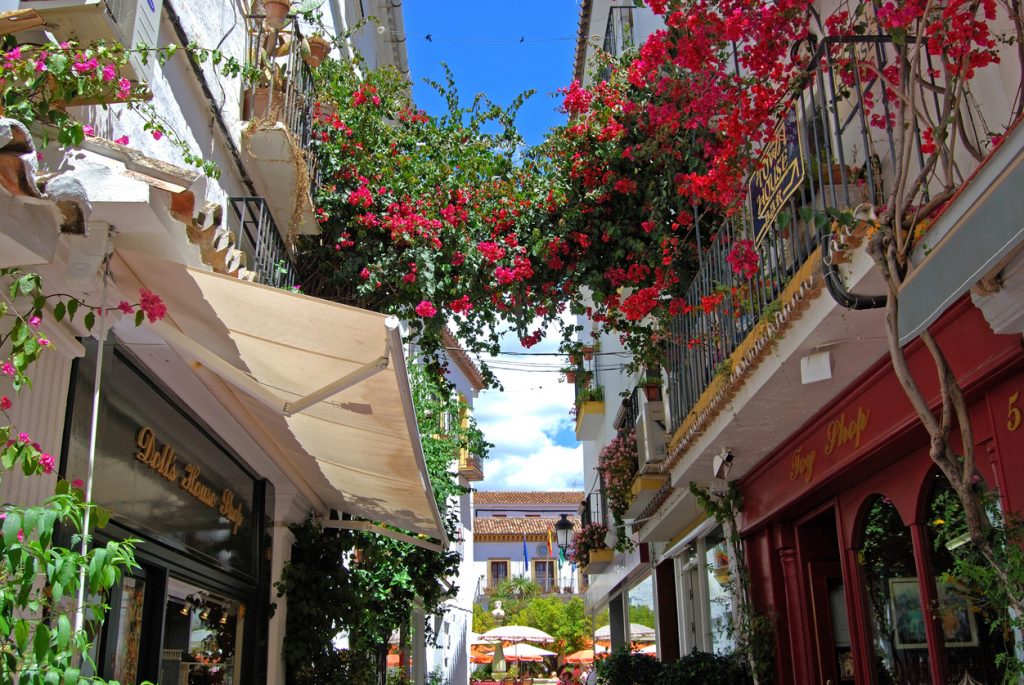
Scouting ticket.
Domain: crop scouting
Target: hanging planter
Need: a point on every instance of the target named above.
(570, 375)
(319, 47)
(276, 12)
(588, 352)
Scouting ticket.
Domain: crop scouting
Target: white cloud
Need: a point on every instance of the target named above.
(523, 420)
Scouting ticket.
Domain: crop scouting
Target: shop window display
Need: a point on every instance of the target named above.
(897, 617)
(966, 619)
(202, 632)
(717, 561)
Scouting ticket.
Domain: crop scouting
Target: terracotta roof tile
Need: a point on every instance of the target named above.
(572, 497)
(515, 526)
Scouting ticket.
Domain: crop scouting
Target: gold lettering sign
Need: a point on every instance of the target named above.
(164, 461)
(779, 173)
(839, 432)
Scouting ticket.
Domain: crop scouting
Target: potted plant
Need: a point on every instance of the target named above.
(570, 373)
(590, 350)
(319, 47)
(651, 384)
(275, 13)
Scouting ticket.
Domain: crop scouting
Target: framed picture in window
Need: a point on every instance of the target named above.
(956, 616)
(955, 612)
(908, 617)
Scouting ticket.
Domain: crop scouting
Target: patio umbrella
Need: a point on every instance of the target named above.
(650, 650)
(585, 656)
(516, 634)
(394, 660)
(526, 653)
(637, 632)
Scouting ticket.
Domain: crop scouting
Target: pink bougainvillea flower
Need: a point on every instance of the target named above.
(7, 369)
(151, 304)
(5, 403)
(109, 72)
(24, 438)
(426, 309)
(125, 307)
(123, 140)
(88, 130)
(157, 134)
(47, 462)
(34, 321)
(77, 483)
(21, 535)
(45, 342)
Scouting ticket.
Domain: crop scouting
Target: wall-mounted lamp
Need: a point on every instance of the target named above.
(722, 463)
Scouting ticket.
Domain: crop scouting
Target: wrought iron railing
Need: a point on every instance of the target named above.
(285, 90)
(846, 160)
(257, 236)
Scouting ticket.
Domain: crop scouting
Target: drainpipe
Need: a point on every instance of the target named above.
(835, 286)
(401, 54)
(183, 39)
(338, 10)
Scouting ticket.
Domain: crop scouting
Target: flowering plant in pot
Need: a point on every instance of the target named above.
(617, 464)
(590, 537)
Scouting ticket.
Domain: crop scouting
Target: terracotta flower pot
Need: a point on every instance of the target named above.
(319, 47)
(588, 353)
(326, 112)
(276, 12)
(265, 103)
(570, 376)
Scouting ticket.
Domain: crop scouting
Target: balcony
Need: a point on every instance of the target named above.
(827, 133)
(257, 236)
(278, 106)
(471, 467)
(589, 405)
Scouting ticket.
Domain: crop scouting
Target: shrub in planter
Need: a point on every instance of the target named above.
(707, 669)
(623, 668)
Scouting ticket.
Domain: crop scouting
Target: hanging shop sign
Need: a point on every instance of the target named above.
(780, 172)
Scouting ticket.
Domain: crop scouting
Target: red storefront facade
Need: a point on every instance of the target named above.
(840, 522)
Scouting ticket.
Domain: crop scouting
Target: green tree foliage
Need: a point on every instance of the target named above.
(483, 620)
(366, 584)
(566, 621)
(40, 579)
(515, 593)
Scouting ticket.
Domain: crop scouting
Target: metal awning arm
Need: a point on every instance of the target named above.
(346, 381)
(372, 527)
(222, 368)
(251, 386)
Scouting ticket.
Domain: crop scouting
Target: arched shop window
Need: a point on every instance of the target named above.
(896, 616)
(966, 619)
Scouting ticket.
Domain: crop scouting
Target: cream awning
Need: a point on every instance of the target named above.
(327, 383)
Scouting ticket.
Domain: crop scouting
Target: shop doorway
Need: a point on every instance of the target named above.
(827, 618)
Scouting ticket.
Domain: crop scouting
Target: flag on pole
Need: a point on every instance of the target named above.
(550, 548)
(526, 554)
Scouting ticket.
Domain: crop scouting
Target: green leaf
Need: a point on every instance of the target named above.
(72, 308)
(90, 320)
(21, 631)
(59, 311)
(71, 676)
(139, 316)
(63, 630)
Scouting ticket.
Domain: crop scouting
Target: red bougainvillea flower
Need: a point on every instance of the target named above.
(152, 305)
(5, 403)
(426, 309)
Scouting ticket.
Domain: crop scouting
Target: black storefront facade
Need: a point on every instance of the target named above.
(197, 609)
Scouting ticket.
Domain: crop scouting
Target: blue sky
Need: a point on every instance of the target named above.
(535, 443)
(480, 42)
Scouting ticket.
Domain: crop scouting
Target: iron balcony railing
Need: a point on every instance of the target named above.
(595, 508)
(257, 236)
(284, 90)
(846, 161)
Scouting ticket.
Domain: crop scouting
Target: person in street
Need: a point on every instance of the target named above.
(592, 675)
(565, 678)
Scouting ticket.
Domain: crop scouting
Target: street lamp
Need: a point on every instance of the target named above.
(563, 532)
